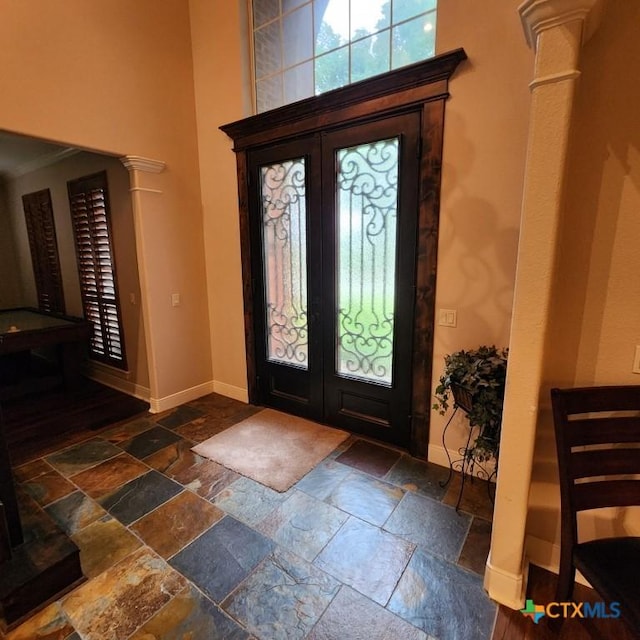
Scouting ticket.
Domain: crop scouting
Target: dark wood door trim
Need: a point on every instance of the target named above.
(423, 88)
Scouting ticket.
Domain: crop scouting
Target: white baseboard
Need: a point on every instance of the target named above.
(437, 454)
(505, 587)
(546, 554)
(110, 377)
(175, 399)
(231, 391)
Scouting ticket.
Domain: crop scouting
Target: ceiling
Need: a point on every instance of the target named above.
(19, 153)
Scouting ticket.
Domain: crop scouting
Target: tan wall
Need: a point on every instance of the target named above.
(116, 76)
(222, 95)
(595, 324)
(485, 136)
(55, 179)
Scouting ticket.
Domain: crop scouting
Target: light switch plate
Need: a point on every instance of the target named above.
(447, 317)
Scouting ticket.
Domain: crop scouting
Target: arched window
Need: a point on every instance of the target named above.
(307, 47)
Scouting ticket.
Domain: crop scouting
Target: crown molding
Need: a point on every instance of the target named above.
(143, 164)
(41, 162)
(539, 15)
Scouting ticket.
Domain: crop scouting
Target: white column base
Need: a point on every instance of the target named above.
(506, 588)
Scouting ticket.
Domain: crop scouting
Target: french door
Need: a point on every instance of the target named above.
(333, 219)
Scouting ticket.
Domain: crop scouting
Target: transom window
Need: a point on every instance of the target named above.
(306, 47)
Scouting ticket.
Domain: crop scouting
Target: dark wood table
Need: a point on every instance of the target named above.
(25, 329)
(35, 571)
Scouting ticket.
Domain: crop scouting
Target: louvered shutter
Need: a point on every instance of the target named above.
(89, 203)
(41, 230)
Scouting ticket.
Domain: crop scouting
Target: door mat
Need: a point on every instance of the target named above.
(272, 448)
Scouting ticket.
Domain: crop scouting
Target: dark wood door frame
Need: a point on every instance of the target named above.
(421, 88)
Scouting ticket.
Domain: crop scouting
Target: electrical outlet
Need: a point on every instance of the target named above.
(636, 361)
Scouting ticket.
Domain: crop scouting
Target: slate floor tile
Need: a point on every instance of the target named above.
(323, 479)
(418, 476)
(150, 441)
(180, 416)
(444, 600)
(109, 475)
(475, 498)
(31, 470)
(222, 557)
(173, 459)
(75, 511)
(351, 616)
(48, 623)
(176, 523)
(216, 404)
(127, 430)
(102, 544)
(190, 616)
(371, 458)
(303, 524)
(283, 597)
(429, 523)
(366, 498)
(201, 429)
(139, 496)
(82, 456)
(48, 487)
(476, 546)
(206, 478)
(249, 501)
(366, 558)
(114, 604)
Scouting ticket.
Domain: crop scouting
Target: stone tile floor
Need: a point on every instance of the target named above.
(365, 546)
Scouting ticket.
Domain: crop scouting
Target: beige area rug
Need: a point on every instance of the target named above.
(272, 448)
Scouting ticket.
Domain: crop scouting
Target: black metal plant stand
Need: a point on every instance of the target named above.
(467, 463)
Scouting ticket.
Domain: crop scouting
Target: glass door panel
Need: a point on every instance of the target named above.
(284, 240)
(367, 207)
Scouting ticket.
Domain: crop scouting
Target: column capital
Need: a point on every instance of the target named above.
(143, 164)
(538, 15)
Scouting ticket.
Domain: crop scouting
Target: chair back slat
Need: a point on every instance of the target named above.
(608, 430)
(613, 438)
(608, 493)
(593, 399)
(599, 466)
(604, 462)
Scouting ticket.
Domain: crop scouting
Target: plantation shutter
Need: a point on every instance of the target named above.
(41, 230)
(89, 203)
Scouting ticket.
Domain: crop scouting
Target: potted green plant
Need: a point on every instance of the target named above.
(476, 380)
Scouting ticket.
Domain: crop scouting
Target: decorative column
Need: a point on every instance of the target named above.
(137, 167)
(556, 29)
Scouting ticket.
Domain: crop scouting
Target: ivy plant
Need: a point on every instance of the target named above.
(481, 373)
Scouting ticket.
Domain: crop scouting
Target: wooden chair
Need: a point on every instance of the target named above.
(596, 455)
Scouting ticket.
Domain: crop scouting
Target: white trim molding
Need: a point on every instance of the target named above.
(118, 380)
(552, 78)
(175, 399)
(507, 588)
(546, 554)
(538, 15)
(139, 163)
(231, 391)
